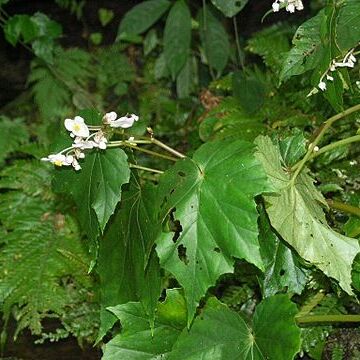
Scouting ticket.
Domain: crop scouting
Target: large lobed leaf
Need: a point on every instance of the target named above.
(221, 334)
(296, 214)
(211, 199)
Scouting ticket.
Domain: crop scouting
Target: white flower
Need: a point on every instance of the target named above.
(77, 127)
(124, 122)
(299, 5)
(290, 7)
(276, 7)
(109, 117)
(131, 141)
(82, 144)
(330, 78)
(322, 85)
(59, 159)
(100, 140)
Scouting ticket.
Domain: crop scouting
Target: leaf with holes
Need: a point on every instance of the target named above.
(296, 214)
(219, 333)
(210, 200)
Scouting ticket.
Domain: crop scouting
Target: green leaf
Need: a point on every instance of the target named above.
(219, 333)
(105, 16)
(348, 26)
(230, 7)
(210, 199)
(160, 68)
(150, 42)
(296, 215)
(177, 37)
(136, 340)
(307, 52)
(20, 27)
(249, 91)
(229, 120)
(293, 148)
(282, 268)
(46, 27)
(185, 79)
(142, 16)
(96, 189)
(128, 269)
(214, 39)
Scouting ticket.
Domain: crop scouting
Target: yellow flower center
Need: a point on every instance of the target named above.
(58, 162)
(77, 127)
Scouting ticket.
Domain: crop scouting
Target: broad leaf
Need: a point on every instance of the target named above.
(282, 268)
(185, 81)
(128, 270)
(348, 25)
(307, 51)
(177, 37)
(214, 40)
(230, 7)
(221, 334)
(142, 16)
(296, 214)
(210, 199)
(136, 340)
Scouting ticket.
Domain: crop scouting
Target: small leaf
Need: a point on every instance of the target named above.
(20, 27)
(105, 16)
(214, 39)
(142, 16)
(220, 182)
(230, 7)
(96, 38)
(177, 37)
(296, 215)
(185, 79)
(150, 41)
(219, 333)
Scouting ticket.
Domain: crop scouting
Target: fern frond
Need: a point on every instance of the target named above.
(13, 134)
(54, 88)
(36, 280)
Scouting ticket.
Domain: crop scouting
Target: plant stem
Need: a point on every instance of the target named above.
(237, 42)
(331, 146)
(150, 152)
(310, 319)
(168, 148)
(156, 171)
(326, 125)
(353, 210)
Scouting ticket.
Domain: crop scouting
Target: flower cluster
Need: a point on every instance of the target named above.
(349, 61)
(290, 5)
(87, 137)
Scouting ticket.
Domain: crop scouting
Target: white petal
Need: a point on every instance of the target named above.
(68, 124)
(275, 7)
(123, 122)
(109, 117)
(322, 85)
(102, 145)
(79, 120)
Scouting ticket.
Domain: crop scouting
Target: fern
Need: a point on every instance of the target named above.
(270, 43)
(37, 280)
(59, 88)
(13, 133)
